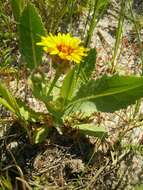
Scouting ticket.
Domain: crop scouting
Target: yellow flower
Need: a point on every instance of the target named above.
(64, 46)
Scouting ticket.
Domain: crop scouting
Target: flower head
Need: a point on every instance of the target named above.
(64, 46)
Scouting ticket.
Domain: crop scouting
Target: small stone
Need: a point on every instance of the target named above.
(12, 145)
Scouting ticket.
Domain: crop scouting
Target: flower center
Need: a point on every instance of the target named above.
(65, 49)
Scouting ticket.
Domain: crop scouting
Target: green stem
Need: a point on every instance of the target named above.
(57, 75)
(99, 9)
(87, 18)
(92, 25)
(118, 34)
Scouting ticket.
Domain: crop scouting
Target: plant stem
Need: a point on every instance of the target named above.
(71, 12)
(118, 34)
(92, 25)
(99, 8)
(87, 18)
(57, 75)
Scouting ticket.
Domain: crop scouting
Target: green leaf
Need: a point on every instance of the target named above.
(101, 4)
(138, 187)
(19, 108)
(6, 183)
(8, 100)
(41, 134)
(30, 29)
(17, 8)
(27, 113)
(88, 65)
(91, 130)
(86, 108)
(110, 93)
(68, 85)
(6, 105)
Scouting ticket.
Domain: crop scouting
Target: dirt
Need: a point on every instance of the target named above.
(64, 162)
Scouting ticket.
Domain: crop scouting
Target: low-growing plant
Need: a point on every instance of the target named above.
(5, 183)
(71, 90)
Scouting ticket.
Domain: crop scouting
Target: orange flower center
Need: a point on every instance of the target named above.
(65, 49)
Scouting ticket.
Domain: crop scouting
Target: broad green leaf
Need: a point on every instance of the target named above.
(8, 100)
(41, 134)
(91, 130)
(17, 8)
(68, 85)
(88, 65)
(85, 108)
(110, 93)
(30, 29)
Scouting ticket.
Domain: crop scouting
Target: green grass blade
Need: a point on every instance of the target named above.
(99, 8)
(8, 100)
(118, 34)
